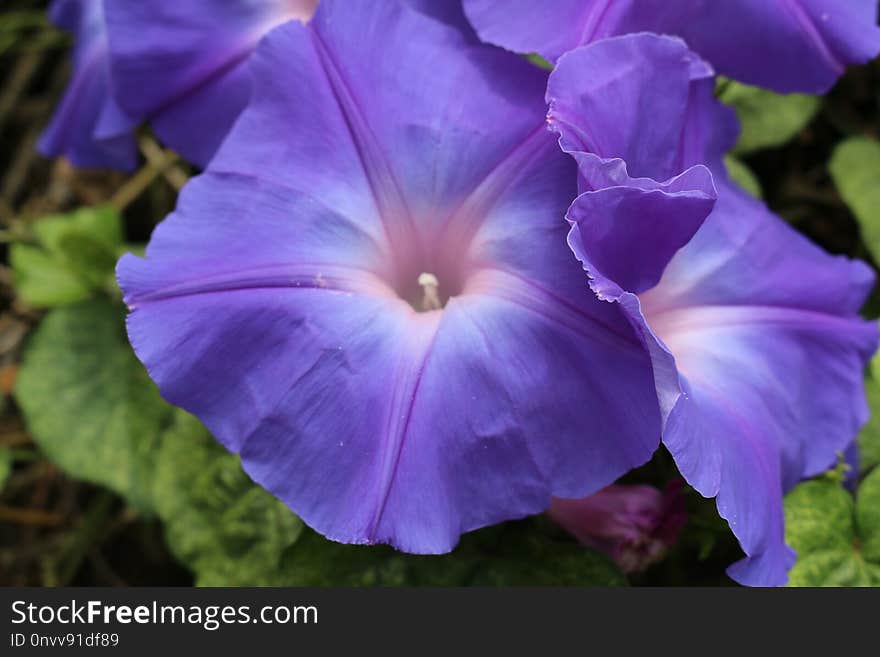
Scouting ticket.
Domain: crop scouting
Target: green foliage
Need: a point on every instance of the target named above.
(869, 439)
(743, 176)
(768, 119)
(837, 538)
(515, 554)
(227, 529)
(539, 61)
(73, 257)
(88, 401)
(868, 520)
(5, 465)
(855, 168)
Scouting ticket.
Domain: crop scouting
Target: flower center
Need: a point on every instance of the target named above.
(428, 278)
(301, 9)
(430, 292)
(427, 268)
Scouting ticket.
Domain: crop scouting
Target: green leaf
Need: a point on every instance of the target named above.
(42, 281)
(315, 561)
(227, 529)
(539, 61)
(5, 465)
(100, 225)
(819, 517)
(538, 561)
(819, 526)
(855, 168)
(514, 554)
(834, 569)
(89, 403)
(743, 176)
(869, 438)
(75, 256)
(836, 538)
(768, 119)
(868, 516)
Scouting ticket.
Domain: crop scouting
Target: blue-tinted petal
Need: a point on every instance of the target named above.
(597, 103)
(790, 45)
(386, 105)
(88, 127)
(765, 334)
(183, 65)
(550, 28)
(626, 229)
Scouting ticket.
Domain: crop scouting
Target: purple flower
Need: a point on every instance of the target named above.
(634, 525)
(181, 64)
(786, 45)
(757, 345)
(88, 127)
(368, 294)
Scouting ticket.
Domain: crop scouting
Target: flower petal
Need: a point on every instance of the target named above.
(351, 94)
(625, 229)
(182, 65)
(525, 27)
(790, 45)
(764, 331)
(88, 127)
(625, 236)
(597, 97)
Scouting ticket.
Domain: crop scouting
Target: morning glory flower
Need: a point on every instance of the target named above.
(787, 46)
(88, 127)
(634, 525)
(182, 64)
(758, 348)
(368, 294)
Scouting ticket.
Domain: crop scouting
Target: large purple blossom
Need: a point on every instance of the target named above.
(758, 349)
(88, 127)
(369, 296)
(181, 64)
(786, 45)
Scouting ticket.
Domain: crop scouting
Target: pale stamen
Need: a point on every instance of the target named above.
(430, 292)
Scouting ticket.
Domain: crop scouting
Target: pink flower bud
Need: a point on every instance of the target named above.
(634, 525)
